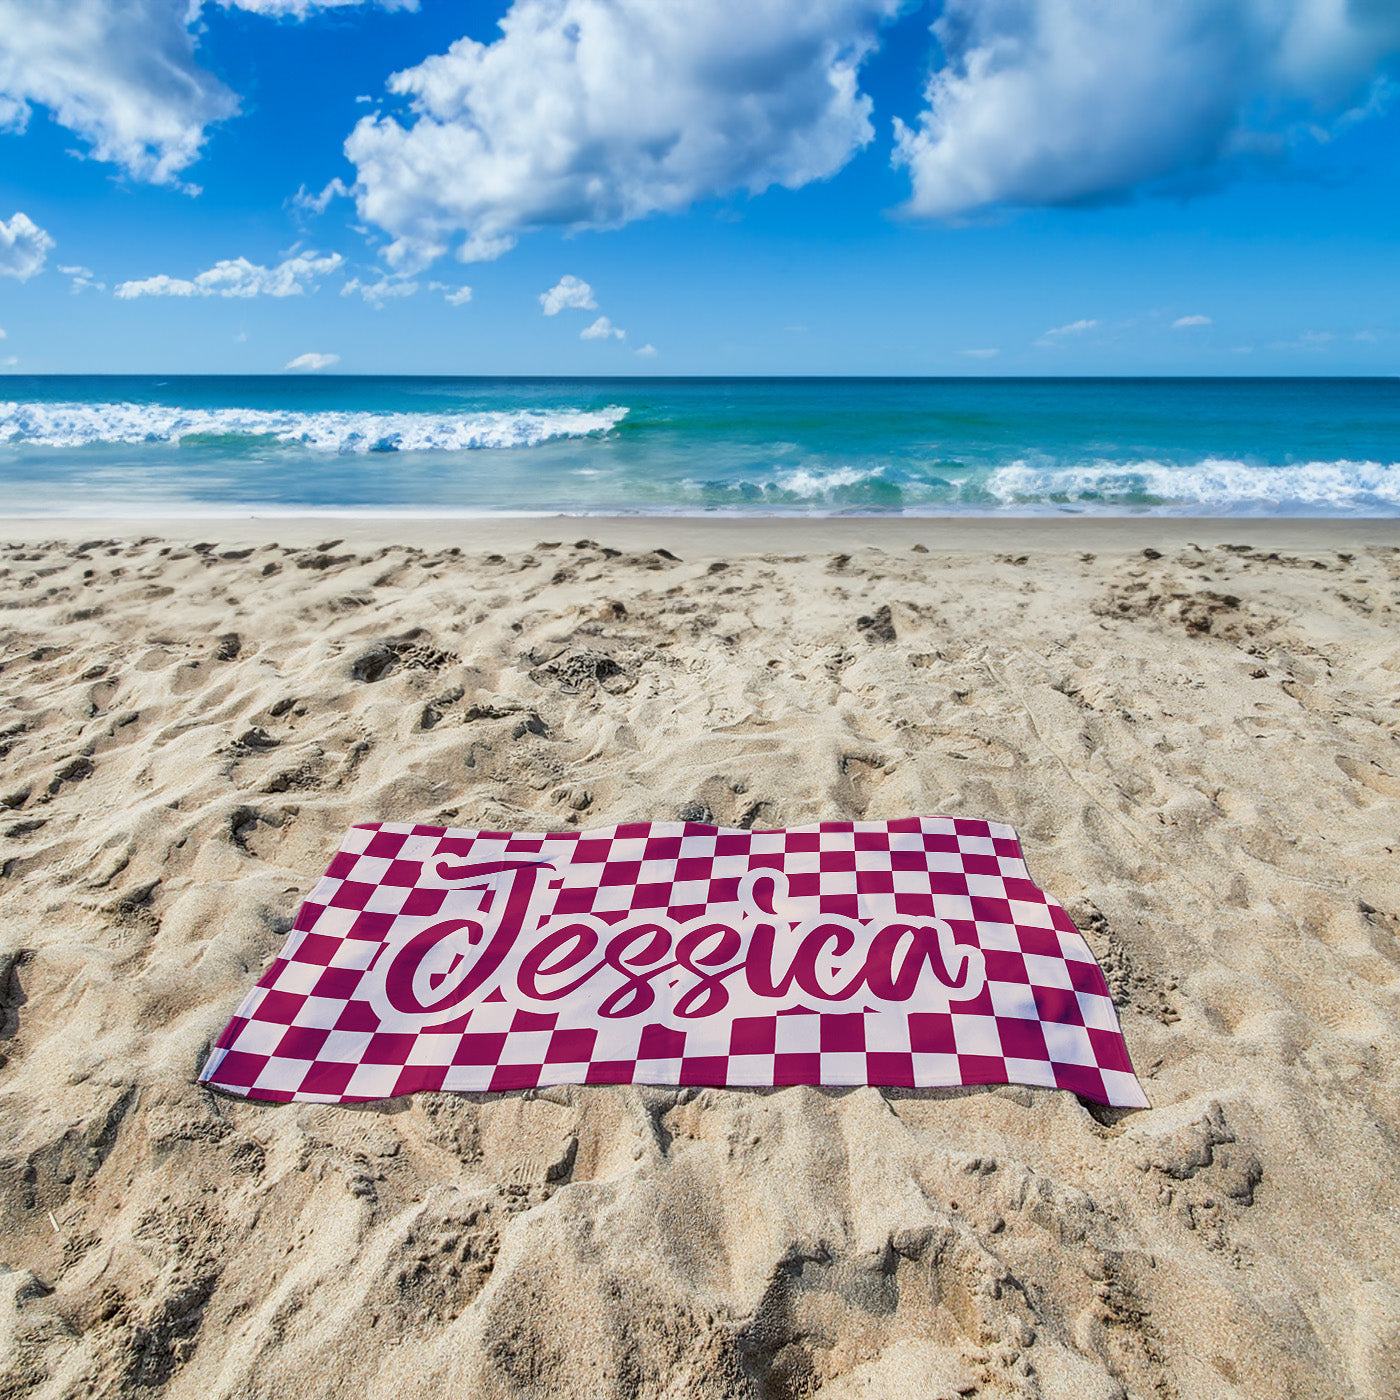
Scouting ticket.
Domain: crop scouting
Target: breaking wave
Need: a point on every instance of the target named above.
(1213, 485)
(82, 425)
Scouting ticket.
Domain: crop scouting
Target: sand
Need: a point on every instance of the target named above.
(1193, 726)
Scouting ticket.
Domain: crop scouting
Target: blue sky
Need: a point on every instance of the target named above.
(736, 186)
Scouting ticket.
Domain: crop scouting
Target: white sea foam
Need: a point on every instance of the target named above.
(79, 425)
(1213, 484)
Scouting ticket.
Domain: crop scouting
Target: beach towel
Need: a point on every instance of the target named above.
(911, 953)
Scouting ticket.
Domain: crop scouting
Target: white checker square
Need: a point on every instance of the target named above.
(935, 1070)
(878, 908)
(369, 870)
(1098, 1012)
(1038, 1072)
(657, 1072)
(837, 882)
(1031, 914)
(1123, 1089)
(1045, 971)
(468, 1079)
(953, 906)
(687, 892)
(430, 1049)
(388, 899)
(889, 1034)
(355, 953)
(797, 1035)
(345, 1047)
(357, 838)
(279, 1073)
(490, 1016)
(844, 1067)
(373, 1081)
(976, 846)
(1075, 949)
(564, 1072)
(800, 862)
(750, 1070)
(838, 840)
(976, 1035)
(336, 922)
(986, 886)
(768, 843)
(657, 872)
(260, 1038)
(698, 847)
(1000, 938)
(1068, 1045)
(319, 1013)
(728, 867)
(1013, 999)
(612, 899)
(525, 1048)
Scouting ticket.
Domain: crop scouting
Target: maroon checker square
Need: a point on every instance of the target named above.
(890, 1069)
(704, 1069)
(753, 1035)
(571, 1046)
(846, 1032)
(931, 1033)
(799, 1068)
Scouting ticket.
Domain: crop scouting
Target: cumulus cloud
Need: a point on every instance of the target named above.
(1182, 322)
(311, 361)
(1073, 328)
(1053, 102)
(123, 74)
(24, 247)
(237, 277)
(647, 351)
(602, 329)
(120, 73)
(591, 113)
(568, 292)
(377, 293)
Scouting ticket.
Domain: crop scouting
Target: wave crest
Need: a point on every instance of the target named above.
(82, 425)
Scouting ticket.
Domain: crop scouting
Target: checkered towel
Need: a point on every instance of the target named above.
(911, 953)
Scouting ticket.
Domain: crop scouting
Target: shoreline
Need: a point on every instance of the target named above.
(732, 534)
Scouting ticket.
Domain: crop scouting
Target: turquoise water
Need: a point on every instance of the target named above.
(102, 445)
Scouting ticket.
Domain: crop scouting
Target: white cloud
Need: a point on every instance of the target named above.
(120, 73)
(123, 75)
(299, 9)
(979, 354)
(311, 362)
(1182, 322)
(4, 335)
(377, 293)
(1052, 102)
(591, 113)
(83, 279)
(237, 277)
(24, 247)
(568, 291)
(304, 202)
(453, 296)
(1073, 328)
(601, 329)
(647, 351)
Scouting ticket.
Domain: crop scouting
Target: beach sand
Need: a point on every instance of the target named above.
(1194, 726)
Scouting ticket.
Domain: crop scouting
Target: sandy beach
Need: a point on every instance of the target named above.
(1193, 725)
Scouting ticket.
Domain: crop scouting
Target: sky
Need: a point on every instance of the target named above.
(621, 187)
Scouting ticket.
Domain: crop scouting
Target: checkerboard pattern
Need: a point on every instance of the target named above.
(308, 1031)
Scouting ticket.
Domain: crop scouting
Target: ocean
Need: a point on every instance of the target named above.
(149, 446)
